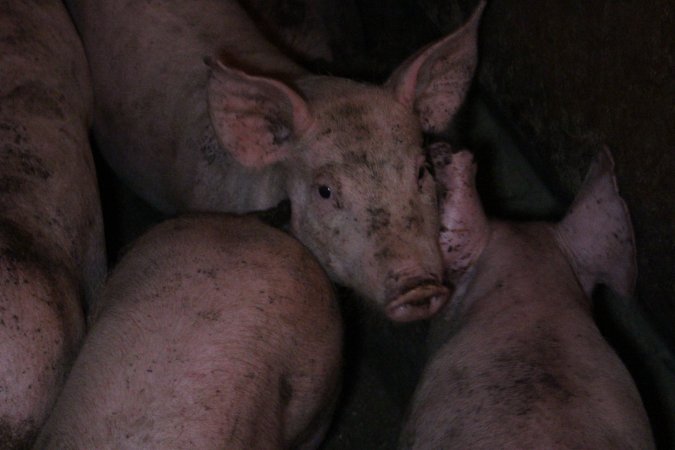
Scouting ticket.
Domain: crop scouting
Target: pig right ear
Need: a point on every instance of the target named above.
(597, 234)
(435, 80)
(256, 119)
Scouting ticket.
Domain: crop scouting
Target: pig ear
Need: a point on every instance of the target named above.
(257, 119)
(435, 80)
(597, 233)
(464, 226)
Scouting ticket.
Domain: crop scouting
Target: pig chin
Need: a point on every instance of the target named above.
(418, 299)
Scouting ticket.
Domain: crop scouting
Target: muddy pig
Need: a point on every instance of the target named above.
(518, 361)
(256, 128)
(213, 331)
(52, 253)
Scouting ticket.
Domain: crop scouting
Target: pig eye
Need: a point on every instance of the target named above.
(324, 191)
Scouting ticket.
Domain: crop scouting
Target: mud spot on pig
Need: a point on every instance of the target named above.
(209, 315)
(378, 219)
(384, 254)
(21, 256)
(352, 119)
(16, 152)
(412, 220)
(349, 111)
(19, 436)
(529, 376)
(36, 98)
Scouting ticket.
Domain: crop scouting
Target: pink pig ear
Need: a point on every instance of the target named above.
(464, 226)
(597, 233)
(256, 119)
(435, 80)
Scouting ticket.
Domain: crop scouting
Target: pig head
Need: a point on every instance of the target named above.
(595, 236)
(351, 160)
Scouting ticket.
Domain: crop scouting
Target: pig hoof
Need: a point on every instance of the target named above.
(419, 303)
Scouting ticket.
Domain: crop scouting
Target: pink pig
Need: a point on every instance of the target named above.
(52, 251)
(212, 332)
(517, 360)
(257, 128)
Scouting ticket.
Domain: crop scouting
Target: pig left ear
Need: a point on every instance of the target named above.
(597, 233)
(256, 119)
(435, 80)
(464, 226)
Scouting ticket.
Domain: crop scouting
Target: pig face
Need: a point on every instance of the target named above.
(362, 198)
(364, 201)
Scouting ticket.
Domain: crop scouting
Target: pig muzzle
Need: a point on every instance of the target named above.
(419, 299)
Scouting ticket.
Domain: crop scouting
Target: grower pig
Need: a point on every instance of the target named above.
(520, 362)
(213, 332)
(347, 155)
(51, 235)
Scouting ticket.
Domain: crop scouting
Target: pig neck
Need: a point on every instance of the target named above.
(520, 277)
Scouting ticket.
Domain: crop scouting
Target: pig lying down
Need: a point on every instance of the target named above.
(518, 361)
(52, 253)
(256, 128)
(212, 332)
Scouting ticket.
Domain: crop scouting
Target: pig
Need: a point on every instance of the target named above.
(52, 251)
(213, 331)
(516, 358)
(256, 128)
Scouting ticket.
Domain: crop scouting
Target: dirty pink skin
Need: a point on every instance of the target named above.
(51, 236)
(213, 332)
(255, 128)
(518, 361)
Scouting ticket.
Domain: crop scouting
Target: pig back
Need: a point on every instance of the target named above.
(212, 331)
(52, 254)
(149, 75)
(518, 361)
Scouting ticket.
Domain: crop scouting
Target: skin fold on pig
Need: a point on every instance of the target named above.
(213, 331)
(517, 360)
(253, 128)
(52, 252)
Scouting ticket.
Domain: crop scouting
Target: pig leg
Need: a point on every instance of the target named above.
(212, 332)
(51, 240)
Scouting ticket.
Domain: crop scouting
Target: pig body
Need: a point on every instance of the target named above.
(52, 253)
(256, 129)
(517, 360)
(213, 332)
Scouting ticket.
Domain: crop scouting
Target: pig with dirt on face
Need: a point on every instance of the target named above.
(257, 129)
(52, 252)
(213, 331)
(518, 361)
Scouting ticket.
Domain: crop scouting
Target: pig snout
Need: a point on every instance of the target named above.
(415, 298)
